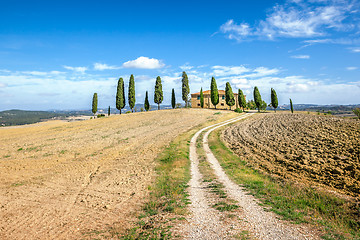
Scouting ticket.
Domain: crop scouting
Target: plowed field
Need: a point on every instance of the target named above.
(319, 150)
(82, 180)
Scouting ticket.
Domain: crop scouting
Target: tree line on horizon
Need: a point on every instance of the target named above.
(158, 94)
(257, 103)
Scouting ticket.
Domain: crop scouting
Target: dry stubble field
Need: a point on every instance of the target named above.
(315, 150)
(61, 180)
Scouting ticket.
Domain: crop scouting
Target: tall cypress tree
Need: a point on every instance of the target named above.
(120, 95)
(131, 96)
(158, 95)
(173, 101)
(214, 93)
(146, 104)
(229, 95)
(201, 98)
(109, 111)
(274, 99)
(241, 99)
(257, 98)
(94, 103)
(185, 88)
(291, 106)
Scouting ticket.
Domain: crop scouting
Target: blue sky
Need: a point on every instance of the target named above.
(56, 54)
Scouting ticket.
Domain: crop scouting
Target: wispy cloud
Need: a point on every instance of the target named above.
(355, 49)
(351, 68)
(144, 63)
(229, 70)
(301, 56)
(76, 69)
(103, 66)
(39, 73)
(298, 19)
(186, 67)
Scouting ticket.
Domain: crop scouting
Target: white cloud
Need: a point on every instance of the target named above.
(355, 49)
(144, 63)
(36, 73)
(351, 68)
(186, 67)
(236, 31)
(103, 66)
(298, 19)
(229, 70)
(56, 72)
(76, 69)
(301, 56)
(3, 85)
(261, 72)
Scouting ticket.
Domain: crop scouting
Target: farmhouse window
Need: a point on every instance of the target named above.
(223, 97)
(222, 104)
(198, 98)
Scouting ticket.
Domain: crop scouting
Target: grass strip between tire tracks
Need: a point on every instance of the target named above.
(336, 218)
(168, 195)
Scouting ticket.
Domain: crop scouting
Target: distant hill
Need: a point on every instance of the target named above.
(21, 117)
(334, 109)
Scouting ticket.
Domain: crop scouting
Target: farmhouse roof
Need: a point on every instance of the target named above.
(208, 92)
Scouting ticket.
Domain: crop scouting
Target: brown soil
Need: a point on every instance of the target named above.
(309, 148)
(85, 179)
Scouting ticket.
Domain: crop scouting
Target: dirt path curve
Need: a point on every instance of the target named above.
(204, 223)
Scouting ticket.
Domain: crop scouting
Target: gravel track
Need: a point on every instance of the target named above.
(204, 222)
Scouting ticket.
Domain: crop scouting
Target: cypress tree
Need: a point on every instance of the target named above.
(291, 106)
(257, 98)
(214, 93)
(274, 99)
(94, 103)
(146, 104)
(201, 98)
(173, 101)
(120, 95)
(185, 88)
(158, 95)
(131, 96)
(229, 95)
(241, 99)
(109, 111)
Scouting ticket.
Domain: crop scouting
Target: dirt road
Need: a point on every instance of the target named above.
(83, 179)
(206, 223)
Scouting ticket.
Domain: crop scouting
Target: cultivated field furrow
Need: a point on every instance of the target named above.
(319, 150)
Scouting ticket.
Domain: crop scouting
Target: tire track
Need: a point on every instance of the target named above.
(204, 222)
(264, 225)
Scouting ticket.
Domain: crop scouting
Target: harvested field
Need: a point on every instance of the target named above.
(317, 150)
(86, 179)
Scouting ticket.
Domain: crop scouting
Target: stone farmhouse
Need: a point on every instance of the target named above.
(195, 100)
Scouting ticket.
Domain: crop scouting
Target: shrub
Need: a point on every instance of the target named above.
(357, 112)
(238, 110)
(128, 112)
(101, 115)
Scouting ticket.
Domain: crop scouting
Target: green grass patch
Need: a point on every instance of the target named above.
(217, 188)
(169, 193)
(223, 206)
(335, 217)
